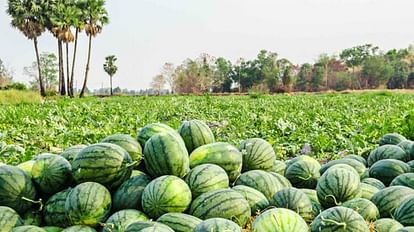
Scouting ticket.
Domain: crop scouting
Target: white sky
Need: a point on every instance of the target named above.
(144, 34)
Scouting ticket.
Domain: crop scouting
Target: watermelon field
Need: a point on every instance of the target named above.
(284, 163)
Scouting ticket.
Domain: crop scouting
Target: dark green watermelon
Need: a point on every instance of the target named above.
(357, 158)
(195, 133)
(128, 195)
(373, 182)
(304, 173)
(387, 169)
(119, 221)
(54, 213)
(408, 147)
(257, 201)
(406, 179)
(205, 178)
(358, 166)
(128, 143)
(391, 138)
(387, 152)
(258, 154)
(71, 152)
(339, 219)
(364, 207)
(149, 130)
(404, 214)
(388, 199)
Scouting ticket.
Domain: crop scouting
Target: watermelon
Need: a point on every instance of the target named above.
(54, 213)
(27, 167)
(71, 152)
(217, 225)
(128, 143)
(257, 201)
(9, 218)
(313, 197)
(406, 229)
(149, 130)
(368, 191)
(258, 154)
(358, 166)
(408, 147)
(52, 229)
(391, 138)
(205, 178)
(179, 222)
(388, 199)
(148, 226)
(165, 194)
(165, 154)
(88, 204)
(296, 200)
(222, 154)
(262, 181)
(304, 173)
(338, 185)
(411, 164)
(28, 228)
(51, 173)
(128, 195)
(386, 225)
(33, 218)
(195, 133)
(364, 207)
(374, 182)
(405, 213)
(339, 219)
(281, 179)
(279, 219)
(357, 158)
(104, 163)
(119, 221)
(295, 159)
(79, 228)
(387, 169)
(387, 152)
(223, 203)
(17, 190)
(279, 167)
(406, 179)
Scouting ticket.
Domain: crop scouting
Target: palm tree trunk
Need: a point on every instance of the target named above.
(110, 77)
(72, 75)
(87, 67)
(67, 70)
(39, 69)
(61, 70)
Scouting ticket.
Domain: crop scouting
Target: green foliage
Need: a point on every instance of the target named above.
(376, 71)
(13, 97)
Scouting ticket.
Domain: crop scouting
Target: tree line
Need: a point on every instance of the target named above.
(360, 67)
(65, 20)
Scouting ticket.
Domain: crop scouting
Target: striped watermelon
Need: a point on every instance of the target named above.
(279, 219)
(388, 199)
(222, 154)
(257, 201)
(128, 195)
(148, 226)
(27, 167)
(88, 204)
(149, 130)
(339, 219)
(411, 164)
(387, 152)
(281, 179)
(205, 178)
(358, 166)
(119, 221)
(405, 212)
(357, 158)
(54, 213)
(104, 163)
(387, 169)
(391, 138)
(71, 152)
(295, 159)
(9, 218)
(179, 222)
(27, 228)
(304, 173)
(406, 229)
(258, 154)
(408, 147)
(128, 143)
(313, 197)
(368, 191)
(165, 154)
(406, 179)
(79, 229)
(52, 229)
(195, 133)
(166, 194)
(279, 167)
(296, 200)
(217, 225)
(374, 182)
(364, 207)
(51, 173)
(386, 225)
(262, 181)
(223, 203)
(32, 217)
(338, 185)
(16, 189)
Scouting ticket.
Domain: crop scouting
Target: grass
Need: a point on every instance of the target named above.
(13, 97)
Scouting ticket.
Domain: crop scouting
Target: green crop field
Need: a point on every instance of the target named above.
(330, 123)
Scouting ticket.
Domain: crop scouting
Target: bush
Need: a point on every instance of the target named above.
(15, 86)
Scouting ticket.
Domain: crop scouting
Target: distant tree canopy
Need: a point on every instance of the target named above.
(360, 67)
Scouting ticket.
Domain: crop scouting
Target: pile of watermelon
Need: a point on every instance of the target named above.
(182, 180)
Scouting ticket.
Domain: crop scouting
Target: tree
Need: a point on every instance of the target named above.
(27, 17)
(168, 71)
(287, 78)
(376, 71)
(49, 67)
(158, 83)
(97, 17)
(318, 74)
(110, 68)
(304, 77)
(6, 76)
(222, 75)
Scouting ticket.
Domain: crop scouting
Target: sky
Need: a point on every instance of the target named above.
(144, 34)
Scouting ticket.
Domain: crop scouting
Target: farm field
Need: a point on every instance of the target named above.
(330, 123)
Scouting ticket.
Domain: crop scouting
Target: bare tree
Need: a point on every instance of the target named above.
(158, 83)
(168, 71)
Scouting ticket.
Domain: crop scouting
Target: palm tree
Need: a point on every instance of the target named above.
(110, 68)
(97, 17)
(27, 17)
